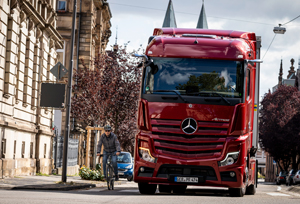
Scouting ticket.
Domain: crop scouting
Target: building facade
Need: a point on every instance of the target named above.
(28, 40)
(93, 29)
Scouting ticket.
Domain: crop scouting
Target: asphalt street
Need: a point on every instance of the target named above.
(128, 193)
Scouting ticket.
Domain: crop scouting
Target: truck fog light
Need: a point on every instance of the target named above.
(142, 169)
(146, 155)
(232, 174)
(230, 159)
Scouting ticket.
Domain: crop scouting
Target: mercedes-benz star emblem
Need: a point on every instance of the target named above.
(189, 126)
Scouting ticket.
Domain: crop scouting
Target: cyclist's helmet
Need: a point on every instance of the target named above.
(107, 127)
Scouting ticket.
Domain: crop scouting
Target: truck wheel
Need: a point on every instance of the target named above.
(251, 190)
(165, 188)
(179, 189)
(148, 189)
(236, 192)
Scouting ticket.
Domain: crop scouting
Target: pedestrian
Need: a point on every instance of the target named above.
(111, 146)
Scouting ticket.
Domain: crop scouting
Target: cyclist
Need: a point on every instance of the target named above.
(111, 147)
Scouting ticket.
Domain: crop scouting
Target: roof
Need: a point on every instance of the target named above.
(200, 43)
(170, 20)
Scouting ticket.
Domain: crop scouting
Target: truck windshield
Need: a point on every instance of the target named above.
(194, 77)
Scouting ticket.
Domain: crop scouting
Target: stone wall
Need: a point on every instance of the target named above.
(28, 42)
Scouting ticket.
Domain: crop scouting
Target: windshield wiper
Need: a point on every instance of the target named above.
(174, 92)
(216, 94)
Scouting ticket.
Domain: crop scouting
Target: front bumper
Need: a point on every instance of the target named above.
(125, 173)
(209, 175)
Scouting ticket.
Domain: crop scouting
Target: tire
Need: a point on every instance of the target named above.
(148, 189)
(129, 178)
(251, 190)
(277, 183)
(165, 188)
(179, 189)
(108, 185)
(236, 192)
(112, 184)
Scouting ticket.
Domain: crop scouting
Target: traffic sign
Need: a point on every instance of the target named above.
(59, 70)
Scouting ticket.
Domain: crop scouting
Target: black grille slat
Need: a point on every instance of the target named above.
(189, 136)
(188, 144)
(188, 152)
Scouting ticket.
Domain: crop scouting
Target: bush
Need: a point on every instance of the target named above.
(94, 174)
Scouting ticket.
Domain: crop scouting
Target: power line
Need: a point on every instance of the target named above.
(190, 13)
(269, 45)
(291, 20)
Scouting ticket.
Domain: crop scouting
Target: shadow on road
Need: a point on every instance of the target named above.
(125, 191)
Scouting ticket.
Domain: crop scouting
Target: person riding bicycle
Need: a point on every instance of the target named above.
(111, 147)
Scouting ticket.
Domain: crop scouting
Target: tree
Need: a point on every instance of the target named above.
(279, 125)
(108, 94)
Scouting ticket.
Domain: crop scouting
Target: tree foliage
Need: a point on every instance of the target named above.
(108, 94)
(279, 125)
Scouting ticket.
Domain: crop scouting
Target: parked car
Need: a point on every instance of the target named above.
(296, 178)
(125, 166)
(281, 177)
(290, 176)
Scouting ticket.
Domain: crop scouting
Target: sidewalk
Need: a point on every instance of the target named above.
(288, 189)
(51, 183)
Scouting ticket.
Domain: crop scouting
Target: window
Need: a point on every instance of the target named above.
(45, 150)
(23, 150)
(62, 6)
(31, 150)
(248, 83)
(15, 148)
(3, 148)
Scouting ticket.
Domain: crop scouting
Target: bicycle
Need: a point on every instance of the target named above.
(110, 175)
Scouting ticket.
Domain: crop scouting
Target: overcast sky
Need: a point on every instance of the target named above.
(136, 20)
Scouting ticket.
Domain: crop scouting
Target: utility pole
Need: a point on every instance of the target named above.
(68, 98)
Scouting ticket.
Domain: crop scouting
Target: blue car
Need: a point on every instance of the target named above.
(125, 166)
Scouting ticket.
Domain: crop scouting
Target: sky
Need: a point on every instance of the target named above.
(135, 20)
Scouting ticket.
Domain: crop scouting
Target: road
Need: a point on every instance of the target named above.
(128, 193)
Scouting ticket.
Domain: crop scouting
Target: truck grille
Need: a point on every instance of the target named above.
(208, 141)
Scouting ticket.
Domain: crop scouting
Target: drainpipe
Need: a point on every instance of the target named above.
(1, 138)
(78, 35)
(77, 49)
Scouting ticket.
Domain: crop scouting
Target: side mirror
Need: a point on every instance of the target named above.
(154, 68)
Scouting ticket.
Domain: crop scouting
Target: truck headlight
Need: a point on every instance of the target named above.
(230, 158)
(145, 155)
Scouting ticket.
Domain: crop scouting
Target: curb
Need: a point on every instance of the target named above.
(56, 187)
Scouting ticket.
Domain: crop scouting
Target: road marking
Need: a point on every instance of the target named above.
(278, 188)
(277, 194)
(130, 190)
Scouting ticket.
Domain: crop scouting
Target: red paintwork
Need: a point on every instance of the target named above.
(224, 128)
(228, 45)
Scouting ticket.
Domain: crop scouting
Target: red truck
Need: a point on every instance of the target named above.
(196, 116)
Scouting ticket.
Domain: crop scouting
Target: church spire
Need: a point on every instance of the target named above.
(170, 20)
(202, 22)
(280, 74)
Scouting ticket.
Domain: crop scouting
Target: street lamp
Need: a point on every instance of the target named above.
(279, 30)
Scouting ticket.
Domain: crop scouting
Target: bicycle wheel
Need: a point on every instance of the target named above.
(109, 176)
(112, 184)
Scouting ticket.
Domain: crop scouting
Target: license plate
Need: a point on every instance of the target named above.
(186, 179)
(120, 173)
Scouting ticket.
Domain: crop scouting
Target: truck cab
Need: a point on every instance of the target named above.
(195, 114)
